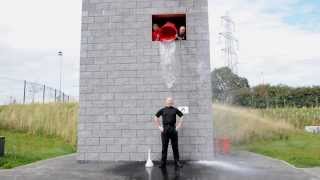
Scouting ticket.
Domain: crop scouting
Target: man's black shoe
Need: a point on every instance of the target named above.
(178, 165)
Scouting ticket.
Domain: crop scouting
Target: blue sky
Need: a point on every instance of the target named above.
(303, 14)
(279, 40)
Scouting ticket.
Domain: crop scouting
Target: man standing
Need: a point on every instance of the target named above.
(169, 130)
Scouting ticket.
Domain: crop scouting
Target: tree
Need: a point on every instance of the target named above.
(226, 85)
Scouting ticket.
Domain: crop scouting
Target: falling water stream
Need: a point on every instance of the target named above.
(168, 62)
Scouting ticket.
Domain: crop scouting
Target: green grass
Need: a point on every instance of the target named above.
(300, 150)
(271, 133)
(23, 148)
(54, 119)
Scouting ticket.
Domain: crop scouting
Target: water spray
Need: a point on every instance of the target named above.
(168, 34)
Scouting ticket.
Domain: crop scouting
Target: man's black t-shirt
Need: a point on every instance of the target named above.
(169, 115)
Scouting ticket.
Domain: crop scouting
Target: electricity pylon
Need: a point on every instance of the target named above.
(231, 43)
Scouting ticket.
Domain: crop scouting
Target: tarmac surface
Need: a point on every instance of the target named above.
(237, 166)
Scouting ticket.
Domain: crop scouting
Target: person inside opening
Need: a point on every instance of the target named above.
(155, 32)
(169, 130)
(182, 33)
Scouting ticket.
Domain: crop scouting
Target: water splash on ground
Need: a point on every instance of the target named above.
(223, 165)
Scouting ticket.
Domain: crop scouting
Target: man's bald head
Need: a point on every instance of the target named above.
(169, 101)
(182, 29)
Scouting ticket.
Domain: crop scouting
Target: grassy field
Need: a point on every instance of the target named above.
(244, 125)
(23, 148)
(301, 149)
(37, 131)
(58, 120)
(267, 134)
(299, 117)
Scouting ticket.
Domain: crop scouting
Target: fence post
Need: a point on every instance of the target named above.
(44, 93)
(55, 95)
(24, 91)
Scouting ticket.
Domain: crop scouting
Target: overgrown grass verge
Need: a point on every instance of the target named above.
(54, 119)
(35, 132)
(23, 148)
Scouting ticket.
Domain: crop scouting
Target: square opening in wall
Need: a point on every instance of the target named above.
(167, 27)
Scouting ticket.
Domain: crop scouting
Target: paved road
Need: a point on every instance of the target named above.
(238, 166)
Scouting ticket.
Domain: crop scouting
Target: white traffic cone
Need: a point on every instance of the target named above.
(149, 161)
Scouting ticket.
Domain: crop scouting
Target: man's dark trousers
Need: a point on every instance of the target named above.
(169, 133)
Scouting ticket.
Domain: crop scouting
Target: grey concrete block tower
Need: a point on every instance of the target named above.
(121, 85)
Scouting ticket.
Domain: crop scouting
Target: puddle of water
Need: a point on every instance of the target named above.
(137, 171)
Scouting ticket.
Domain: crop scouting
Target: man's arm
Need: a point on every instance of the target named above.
(179, 123)
(157, 120)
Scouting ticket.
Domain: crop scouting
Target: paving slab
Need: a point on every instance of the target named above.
(237, 166)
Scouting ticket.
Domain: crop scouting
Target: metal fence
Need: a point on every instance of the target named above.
(26, 92)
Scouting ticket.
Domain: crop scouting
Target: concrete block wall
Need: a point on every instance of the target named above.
(121, 86)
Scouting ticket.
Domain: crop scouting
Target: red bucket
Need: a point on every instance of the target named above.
(223, 145)
(168, 32)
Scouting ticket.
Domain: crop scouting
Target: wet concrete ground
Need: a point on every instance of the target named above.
(238, 166)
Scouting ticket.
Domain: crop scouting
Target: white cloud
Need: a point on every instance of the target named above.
(42, 23)
(267, 44)
(31, 34)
